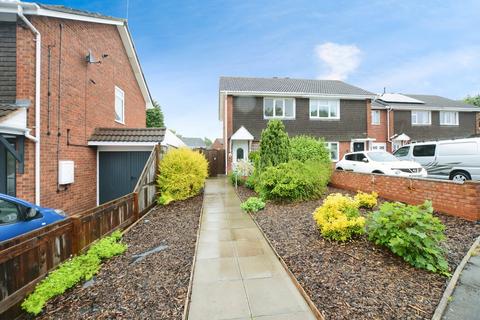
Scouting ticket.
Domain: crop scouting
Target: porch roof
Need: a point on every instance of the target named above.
(145, 136)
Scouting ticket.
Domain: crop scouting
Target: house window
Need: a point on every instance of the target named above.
(324, 109)
(119, 105)
(239, 154)
(376, 117)
(449, 118)
(280, 108)
(333, 147)
(421, 118)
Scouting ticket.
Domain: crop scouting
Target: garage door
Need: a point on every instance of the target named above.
(119, 172)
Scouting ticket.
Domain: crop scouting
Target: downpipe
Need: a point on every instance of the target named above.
(36, 139)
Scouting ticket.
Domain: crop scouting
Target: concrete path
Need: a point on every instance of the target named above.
(237, 275)
(465, 302)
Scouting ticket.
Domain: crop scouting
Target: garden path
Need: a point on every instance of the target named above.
(237, 275)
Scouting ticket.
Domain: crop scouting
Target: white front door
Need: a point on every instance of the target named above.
(239, 150)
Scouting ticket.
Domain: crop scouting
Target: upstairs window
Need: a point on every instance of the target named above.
(422, 118)
(324, 109)
(279, 108)
(119, 105)
(448, 118)
(376, 117)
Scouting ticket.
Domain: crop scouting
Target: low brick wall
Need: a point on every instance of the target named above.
(461, 200)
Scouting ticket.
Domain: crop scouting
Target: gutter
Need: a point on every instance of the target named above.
(36, 139)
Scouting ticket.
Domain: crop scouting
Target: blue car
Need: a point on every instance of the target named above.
(18, 217)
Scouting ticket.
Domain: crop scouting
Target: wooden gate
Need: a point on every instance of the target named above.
(216, 161)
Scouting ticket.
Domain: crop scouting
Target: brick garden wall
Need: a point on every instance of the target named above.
(86, 102)
(461, 200)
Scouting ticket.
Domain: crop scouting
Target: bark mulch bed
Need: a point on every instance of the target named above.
(357, 280)
(152, 288)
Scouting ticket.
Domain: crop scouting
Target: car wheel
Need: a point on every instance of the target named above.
(340, 169)
(377, 171)
(459, 176)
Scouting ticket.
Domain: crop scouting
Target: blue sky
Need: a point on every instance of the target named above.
(430, 47)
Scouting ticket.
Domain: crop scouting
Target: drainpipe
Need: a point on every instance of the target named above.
(38, 48)
(388, 125)
(225, 141)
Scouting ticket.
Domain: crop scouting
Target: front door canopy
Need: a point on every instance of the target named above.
(242, 134)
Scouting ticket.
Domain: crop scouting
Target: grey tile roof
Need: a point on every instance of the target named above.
(6, 108)
(128, 135)
(194, 142)
(289, 85)
(64, 9)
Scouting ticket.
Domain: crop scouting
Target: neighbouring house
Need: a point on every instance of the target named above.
(217, 144)
(401, 118)
(194, 143)
(333, 110)
(347, 117)
(73, 100)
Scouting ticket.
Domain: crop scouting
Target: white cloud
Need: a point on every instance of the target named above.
(339, 60)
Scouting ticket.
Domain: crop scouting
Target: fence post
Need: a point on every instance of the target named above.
(136, 212)
(77, 236)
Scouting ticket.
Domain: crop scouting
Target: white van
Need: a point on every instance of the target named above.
(457, 160)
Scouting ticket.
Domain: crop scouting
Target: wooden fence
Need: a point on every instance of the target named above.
(25, 260)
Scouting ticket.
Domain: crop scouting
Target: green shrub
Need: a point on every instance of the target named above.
(305, 148)
(253, 204)
(274, 145)
(251, 181)
(254, 157)
(182, 175)
(339, 218)
(72, 271)
(236, 179)
(294, 181)
(412, 232)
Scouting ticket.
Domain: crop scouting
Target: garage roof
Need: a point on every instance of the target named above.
(127, 135)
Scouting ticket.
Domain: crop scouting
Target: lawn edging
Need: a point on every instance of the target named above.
(442, 305)
(192, 270)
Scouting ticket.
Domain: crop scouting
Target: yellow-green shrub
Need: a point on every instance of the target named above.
(366, 200)
(182, 175)
(338, 218)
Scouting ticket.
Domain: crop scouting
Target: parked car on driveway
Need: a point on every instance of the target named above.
(457, 160)
(380, 162)
(18, 217)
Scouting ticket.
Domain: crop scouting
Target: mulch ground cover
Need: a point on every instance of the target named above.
(134, 287)
(357, 279)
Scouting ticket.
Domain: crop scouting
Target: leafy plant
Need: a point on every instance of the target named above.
(155, 117)
(366, 200)
(338, 218)
(251, 182)
(305, 148)
(412, 232)
(253, 204)
(182, 175)
(294, 180)
(274, 145)
(72, 271)
(236, 178)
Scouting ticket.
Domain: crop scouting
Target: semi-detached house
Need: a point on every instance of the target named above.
(348, 118)
(73, 100)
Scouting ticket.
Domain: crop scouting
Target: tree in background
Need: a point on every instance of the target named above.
(208, 142)
(274, 145)
(155, 116)
(475, 100)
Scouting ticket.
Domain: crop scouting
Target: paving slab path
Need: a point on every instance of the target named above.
(465, 302)
(237, 275)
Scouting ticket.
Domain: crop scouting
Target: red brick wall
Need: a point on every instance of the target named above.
(461, 200)
(87, 102)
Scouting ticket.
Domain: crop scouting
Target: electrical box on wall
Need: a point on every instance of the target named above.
(66, 172)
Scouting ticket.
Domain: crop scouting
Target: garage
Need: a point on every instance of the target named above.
(121, 157)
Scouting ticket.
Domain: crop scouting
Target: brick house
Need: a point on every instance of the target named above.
(66, 73)
(347, 117)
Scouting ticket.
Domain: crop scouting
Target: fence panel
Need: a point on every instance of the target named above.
(146, 185)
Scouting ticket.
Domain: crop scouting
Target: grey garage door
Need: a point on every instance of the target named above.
(119, 172)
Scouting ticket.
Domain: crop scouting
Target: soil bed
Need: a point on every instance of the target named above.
(135, 286)
(357, 280)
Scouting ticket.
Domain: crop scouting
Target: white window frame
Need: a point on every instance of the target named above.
(274, 99)
(329, 145)
(443, 123)
(415, 116)
(119, 93)
(323, 102)
(377, 112)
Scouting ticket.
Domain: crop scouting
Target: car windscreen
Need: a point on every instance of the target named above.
(402, 152)
(382, 156)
